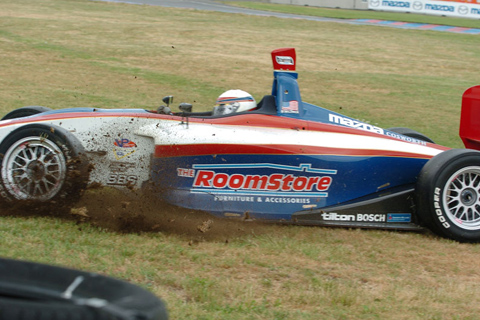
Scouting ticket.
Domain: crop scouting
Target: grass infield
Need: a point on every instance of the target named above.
(72, 53)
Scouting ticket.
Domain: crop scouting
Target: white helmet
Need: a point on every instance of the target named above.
(234, 101)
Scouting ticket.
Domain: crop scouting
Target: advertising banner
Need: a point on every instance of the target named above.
(452, 8)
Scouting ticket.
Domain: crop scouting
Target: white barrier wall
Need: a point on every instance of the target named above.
(455, 8)
(444, 8)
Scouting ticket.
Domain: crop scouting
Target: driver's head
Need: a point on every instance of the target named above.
(234, 101)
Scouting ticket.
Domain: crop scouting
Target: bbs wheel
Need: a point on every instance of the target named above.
(41, 164)
(25, 112)
(34, 168)
(448, 194)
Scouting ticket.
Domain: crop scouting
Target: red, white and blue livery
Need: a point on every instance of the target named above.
(286, 160)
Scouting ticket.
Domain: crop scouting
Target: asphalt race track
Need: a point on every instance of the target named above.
(210, 5)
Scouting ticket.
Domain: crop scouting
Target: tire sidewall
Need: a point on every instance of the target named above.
(432, 182)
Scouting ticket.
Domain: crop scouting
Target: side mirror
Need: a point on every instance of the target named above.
(185, 107)
(168, 100)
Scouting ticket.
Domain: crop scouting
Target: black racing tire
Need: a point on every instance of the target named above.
(25, 112)
(448, 195)
(34, 291)
(16, 309)
(42, 167)
(411, 133)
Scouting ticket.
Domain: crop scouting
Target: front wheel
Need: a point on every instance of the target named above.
(41, 165)
(448, 195)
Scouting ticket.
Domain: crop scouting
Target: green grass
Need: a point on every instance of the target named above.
(281, 273)
(71, 53)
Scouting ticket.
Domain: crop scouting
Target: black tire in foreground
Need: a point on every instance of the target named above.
(411, 133)
(42, 165)
(25, 112)
(33, 291)
(448, 195)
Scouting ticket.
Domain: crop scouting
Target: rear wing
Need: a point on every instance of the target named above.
(285, 87)
(470, 118)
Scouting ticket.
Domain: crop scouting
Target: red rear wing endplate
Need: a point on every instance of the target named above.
(470, 118)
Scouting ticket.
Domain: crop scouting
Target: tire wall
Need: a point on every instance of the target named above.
(456, 8)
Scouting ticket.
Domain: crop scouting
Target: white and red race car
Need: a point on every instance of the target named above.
(286, 160)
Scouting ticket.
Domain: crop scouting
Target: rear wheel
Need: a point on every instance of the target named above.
(411, 133)
(25, 112)
(448, 194)
(41, 164)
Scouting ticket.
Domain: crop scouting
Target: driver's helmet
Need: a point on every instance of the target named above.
(234, 101)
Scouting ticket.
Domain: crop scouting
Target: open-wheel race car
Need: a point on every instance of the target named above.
(286, 160)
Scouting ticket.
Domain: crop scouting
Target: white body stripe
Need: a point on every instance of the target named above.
(195, 133)
(99, 134)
